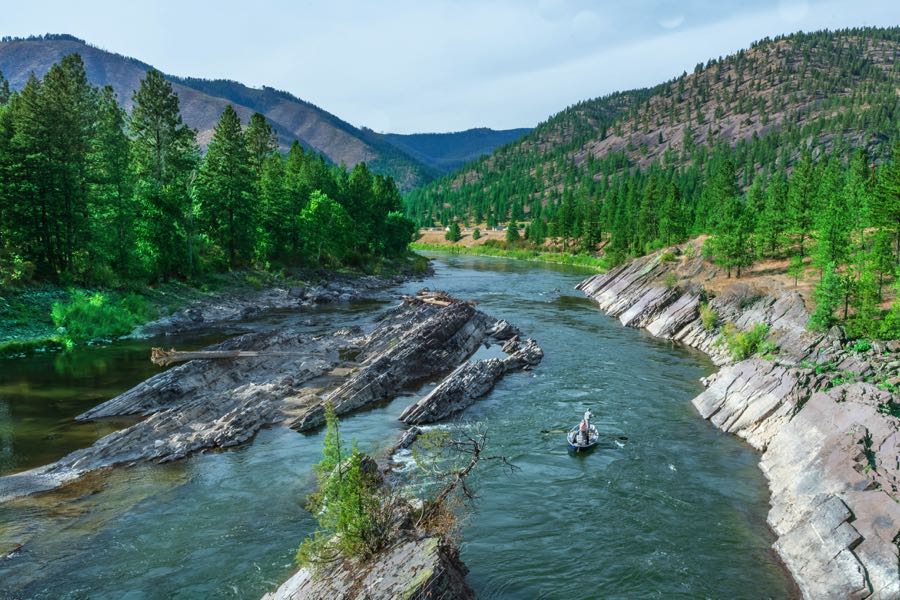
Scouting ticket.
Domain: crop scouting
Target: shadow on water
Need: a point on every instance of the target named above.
(674, 509)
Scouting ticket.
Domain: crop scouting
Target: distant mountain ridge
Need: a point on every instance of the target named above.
(203, 100)
(448, 152)
(830, 89)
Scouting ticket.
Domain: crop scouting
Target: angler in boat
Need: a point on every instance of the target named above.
(584, 435)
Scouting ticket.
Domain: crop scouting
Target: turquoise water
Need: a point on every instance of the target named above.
(677, 511)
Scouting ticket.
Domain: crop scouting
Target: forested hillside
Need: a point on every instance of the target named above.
(829, 92)
(92, 194)
(447, 152)
(780, 151)
(202, 102)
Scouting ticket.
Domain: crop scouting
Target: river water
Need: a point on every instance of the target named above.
(676, 511)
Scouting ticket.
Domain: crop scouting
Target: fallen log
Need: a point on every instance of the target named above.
(161, 357)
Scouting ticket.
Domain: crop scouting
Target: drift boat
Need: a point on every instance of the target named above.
(577, 443)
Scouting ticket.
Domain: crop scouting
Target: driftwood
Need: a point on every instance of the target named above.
(436, 297)
(163, 357)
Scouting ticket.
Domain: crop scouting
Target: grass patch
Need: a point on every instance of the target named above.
(88, 316)
(744, 344)
(528, 254)
(709, 318)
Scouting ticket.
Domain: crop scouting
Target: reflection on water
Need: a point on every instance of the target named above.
(677, 511)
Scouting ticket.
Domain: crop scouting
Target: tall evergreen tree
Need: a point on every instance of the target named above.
(771, 222)
(832, 219)
(225, 187)
(4, 90)
(111, 207)
(801, 196)
(261, 143)
(164, 158)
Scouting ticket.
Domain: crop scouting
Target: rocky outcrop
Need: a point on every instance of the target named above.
(829, 444)
(415, 568)
(213, 404)
(471, 381)
(403, 351)
(236, 306)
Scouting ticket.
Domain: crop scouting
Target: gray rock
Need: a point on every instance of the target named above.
(416, 568)
(469, 382)
(831, 456)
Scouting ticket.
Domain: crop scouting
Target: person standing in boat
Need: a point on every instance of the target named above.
(584, 428)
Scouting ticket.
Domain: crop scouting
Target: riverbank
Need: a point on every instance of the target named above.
(527, 254)
(823, 413)
(27, 323)
(199, 519)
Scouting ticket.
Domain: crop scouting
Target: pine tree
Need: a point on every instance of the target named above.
(832, 218)
(731, 242)
(512, 232)
(164, 156)
(225, 187)
(261, 143)
(112, 208)
(277, 221)
(453, 234)
(770, 224)
(67, 107)
(827, 295)
(801, 196)
(4, 90)
(886, 200)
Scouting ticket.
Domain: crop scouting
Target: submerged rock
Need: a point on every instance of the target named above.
(830, 450)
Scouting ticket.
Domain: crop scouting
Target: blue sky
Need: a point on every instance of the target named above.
(436, 65)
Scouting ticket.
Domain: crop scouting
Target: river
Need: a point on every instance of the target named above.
(676, 511)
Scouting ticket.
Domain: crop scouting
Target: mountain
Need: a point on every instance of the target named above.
(830, 91)
(202, 102)
(447, 152)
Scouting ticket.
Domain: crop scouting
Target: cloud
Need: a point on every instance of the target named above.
(408, 65)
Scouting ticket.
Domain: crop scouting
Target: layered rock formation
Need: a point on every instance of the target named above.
(210, 404)
(471, 381)
(415, 568)
(234, 307)
(819, 412)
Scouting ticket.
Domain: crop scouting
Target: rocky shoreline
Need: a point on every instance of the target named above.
(228, 307)
(285, 380)
(819, 411)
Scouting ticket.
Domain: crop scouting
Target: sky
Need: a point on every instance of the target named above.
(409, 66)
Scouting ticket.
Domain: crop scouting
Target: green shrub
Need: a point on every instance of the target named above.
(860, 346)
(670, 281)
(744, 344)
(85, 317)
(709, 318)
(14, 269)
(476, 234)
(667, 257)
